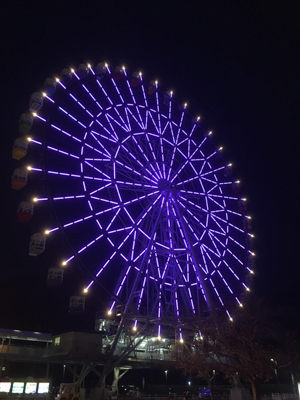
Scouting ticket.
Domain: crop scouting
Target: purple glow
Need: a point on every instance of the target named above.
(153, 189)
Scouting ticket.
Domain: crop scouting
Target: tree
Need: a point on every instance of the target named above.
(244, 346)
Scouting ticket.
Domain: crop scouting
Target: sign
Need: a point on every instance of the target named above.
(30, 387)
(18, 387)
(5, 387)
(43, 387)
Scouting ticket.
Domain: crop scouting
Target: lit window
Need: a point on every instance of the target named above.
(57, 341)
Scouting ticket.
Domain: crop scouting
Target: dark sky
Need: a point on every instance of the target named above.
(235, 63)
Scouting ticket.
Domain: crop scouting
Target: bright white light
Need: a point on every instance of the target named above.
(109, 312)
(29, 168)
(134, 328)
(56, 79)
(85, 290)
(29, 139)
(35, 199)
(44, 94)
(64, 263)
(181, 340)
(221, 148)
(34, 114)
(47, 232)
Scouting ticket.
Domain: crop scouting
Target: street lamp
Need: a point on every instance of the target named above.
(64, 371)
(166, 373)
(275, 370)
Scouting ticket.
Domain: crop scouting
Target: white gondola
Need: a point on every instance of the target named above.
(76, 304)
(36, 102)
(55, 277)
(37, 244)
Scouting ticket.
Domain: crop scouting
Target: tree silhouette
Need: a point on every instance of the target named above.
(243, 347)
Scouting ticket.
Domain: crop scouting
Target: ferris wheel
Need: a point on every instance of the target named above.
(142, 193)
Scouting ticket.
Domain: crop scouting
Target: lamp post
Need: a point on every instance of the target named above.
(166, 373)
(275, 370)
(64, 371)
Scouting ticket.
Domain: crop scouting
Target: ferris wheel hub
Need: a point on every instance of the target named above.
(164, 185)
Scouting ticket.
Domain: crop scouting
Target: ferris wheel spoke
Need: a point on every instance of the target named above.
(214, 218)
(97, 170)
(129, 153)
(117, 90)
(112, 135)
(236, 228)
(103, 150)
(81, 105)
(209, 251)
(231, 270)
(193, 204)
(66, 134)
(144, 155)
(211, 236)
(220, 206)
(138, 121)
(93, 149)
(131, 169)
(58, 198)
(176, 174)
(103, 91)
(100, 189)
(234, 256)
(111, 121)
(236, 242)
(62, 152)
(217, 292)
(194, 234)
(71, 117)
(92, 97)
(215, 239)
(155, 125)
(225, 281)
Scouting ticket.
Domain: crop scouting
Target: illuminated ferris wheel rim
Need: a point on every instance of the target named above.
(162, 185)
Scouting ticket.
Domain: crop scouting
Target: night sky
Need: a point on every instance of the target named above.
(235, 63)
